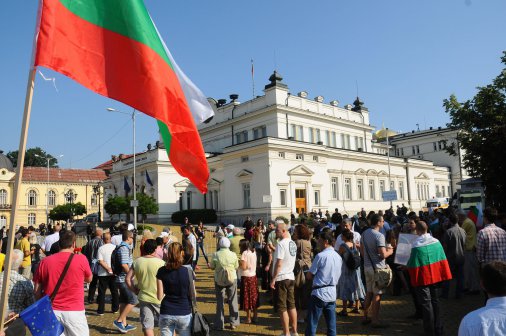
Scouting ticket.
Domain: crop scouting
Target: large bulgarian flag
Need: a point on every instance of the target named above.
(113, 48)
(427, 263)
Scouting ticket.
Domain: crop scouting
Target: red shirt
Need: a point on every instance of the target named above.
(70, 296)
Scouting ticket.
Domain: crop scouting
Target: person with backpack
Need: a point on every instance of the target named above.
(121, 260)
(349, 288)
(303, 258)
(225, 264)
(106, 278)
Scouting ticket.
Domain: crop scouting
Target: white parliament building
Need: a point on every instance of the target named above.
(281, 153)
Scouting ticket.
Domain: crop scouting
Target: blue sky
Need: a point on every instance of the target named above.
(405, 56)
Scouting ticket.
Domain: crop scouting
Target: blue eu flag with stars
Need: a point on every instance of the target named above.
(41, 320)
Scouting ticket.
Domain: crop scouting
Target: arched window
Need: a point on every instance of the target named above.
(51, 198)
(32, 198)
(94, 199)
(3, 197)
(189, 200)
(70, 196)
(31, 219)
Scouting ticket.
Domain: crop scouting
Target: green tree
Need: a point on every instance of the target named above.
(34, 157)
(481, 122)
(67, 211)
(116, 205)
(147, 205)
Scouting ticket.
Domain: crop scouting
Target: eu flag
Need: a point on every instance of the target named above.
(148, 179)
(41, 320)
(126, 187)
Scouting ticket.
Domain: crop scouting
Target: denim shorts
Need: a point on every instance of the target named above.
(179, 323)
(126, 295)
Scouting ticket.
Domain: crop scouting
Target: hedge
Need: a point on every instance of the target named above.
(195, 215)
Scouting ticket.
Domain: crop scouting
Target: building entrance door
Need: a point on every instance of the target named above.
(300, 200)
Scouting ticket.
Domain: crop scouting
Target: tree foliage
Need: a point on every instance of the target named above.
(34, 157)
(116, 205)
(147, 205)
(67, 211)
(481, 122)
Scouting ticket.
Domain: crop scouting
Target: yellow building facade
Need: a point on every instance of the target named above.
(42, 189)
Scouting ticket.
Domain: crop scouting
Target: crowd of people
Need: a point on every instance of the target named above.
(306, 265)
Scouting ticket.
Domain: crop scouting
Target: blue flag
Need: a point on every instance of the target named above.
(126, 187)
(41, 320)
(148, 179)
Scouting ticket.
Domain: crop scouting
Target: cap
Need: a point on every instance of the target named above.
(164, 234)
(224, 242)
(130, 227)
(230, 226)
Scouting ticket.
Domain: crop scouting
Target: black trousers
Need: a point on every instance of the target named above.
(428, 299)
(105, 282)
(93, 288)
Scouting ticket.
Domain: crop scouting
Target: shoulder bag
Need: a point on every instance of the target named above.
(199, 324)
(382, 276)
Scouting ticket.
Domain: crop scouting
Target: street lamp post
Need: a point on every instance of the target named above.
(134, 202)
(48, 159)
(98, 192)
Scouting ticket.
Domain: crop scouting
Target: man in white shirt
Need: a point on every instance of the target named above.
(346, 224)
(51, 239)
(117, 239)
(491, 319)
(106, 278)
(283, 279)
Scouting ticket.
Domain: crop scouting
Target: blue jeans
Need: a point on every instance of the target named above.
(170, 323)
(316, 307)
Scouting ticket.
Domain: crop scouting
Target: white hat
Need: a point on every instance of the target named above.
(163, 234)
(230, 226)
(224, 242)
(130, 227)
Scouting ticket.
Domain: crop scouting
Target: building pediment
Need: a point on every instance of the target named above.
(382, 173)
(244, 173)
(360, 171)
(372, 172)
(182, 184)
(301, 170)
(213, 182)
(422, 176)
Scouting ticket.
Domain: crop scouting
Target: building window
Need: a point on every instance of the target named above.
(372, 191)
(317, 197)
(259, 132)
(327, 138)
(94, 199)
(434, 144)
(347, 188)
(398, 152)
(297, 132)
(440, 144)
(32, 198)
(189, 200)
(282, 197)
(311, 135)
(437, 191)
(333, 188)
(299, 156)
(244, 158)
(216, 207)
(32, 219)
(3, 221)
(382, 187)
(413, 151)
(360, 189)
(401, 190)
(51, 198)
(241, 137)
(443, 190)
(246, 195)
(281, 155)
(181, 201)
(402, 151)
(333, 139)
(211, 199)
(417, 149)
(318, 136)
(3, 197)
(315, 158)
(360, 143)
(449, 194)
(392, 185)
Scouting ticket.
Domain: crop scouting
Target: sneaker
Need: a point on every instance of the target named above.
(130, 327)
(120, 326)
(294, 334)
(100, 314)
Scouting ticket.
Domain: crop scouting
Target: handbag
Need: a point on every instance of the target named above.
(382, 276)
(199, 324)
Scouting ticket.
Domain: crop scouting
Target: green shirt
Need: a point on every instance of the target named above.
(224, 258)
(145, 269)
(234, 245)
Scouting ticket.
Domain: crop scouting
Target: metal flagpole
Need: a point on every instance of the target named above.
(388, 158)
(253, 77)
(135, 187)
(17, 185)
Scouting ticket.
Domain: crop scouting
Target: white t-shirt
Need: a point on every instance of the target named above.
(50, 240)
(193, 241)
(104, 253)
(250, 258)
(339, 240)
(286, 251)
(117, 239)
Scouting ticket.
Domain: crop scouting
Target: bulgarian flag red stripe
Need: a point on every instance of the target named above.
(427, 263)
(113, 48)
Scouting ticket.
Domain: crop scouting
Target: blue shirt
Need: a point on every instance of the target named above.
(386, 227)
(326, 270)
(489, 320)
(125, 251)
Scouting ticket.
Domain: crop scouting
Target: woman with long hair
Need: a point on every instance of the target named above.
(301, 237)
(174, 290)
(200, 232)
(146, 234)
(34, 246)
(249, 283)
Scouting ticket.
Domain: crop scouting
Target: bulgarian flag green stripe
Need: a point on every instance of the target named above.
(427, 264)
(113, 48)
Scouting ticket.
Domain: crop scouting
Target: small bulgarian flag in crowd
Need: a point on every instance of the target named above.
(427, 263)
(113, 48)
(476, 215)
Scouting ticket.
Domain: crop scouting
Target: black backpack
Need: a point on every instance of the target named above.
(116, 264)
(353, 259)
